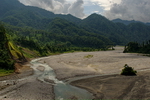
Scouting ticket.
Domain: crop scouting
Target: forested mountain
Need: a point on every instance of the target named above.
(127, 22)
(17, 14)
(119, 33)
(101, 25)
(59, 36)
(46, 29)
(27, 31)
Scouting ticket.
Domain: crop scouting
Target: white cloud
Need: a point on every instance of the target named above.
(131, 10)
(106, 4)
(77, 9)
(58, 6)
(124, 9)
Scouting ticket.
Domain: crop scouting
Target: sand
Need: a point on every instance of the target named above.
(103, 62)
(108, 63)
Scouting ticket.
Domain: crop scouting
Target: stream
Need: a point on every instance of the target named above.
(62, 89)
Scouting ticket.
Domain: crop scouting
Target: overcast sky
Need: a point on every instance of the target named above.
(112, 9)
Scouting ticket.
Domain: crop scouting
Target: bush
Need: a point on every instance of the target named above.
(128, 70)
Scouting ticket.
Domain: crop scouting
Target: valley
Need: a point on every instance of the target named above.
(45, 55)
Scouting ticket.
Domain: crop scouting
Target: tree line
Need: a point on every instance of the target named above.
(136, 47)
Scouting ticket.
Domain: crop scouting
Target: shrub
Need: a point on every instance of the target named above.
(128, 70)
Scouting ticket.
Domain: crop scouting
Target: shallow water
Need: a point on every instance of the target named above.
(62, 90)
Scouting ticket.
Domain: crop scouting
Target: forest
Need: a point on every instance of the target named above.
(134, 47)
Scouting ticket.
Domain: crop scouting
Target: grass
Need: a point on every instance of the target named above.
(4, 72)
(88, 56)
(14, 50)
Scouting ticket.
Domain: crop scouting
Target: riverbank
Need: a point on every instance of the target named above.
(23, 72)
(25, 85)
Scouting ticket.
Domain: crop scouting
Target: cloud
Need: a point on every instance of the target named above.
(91, 7)
(77, 9)
(58, 6)
(106, 4)
(130, 10)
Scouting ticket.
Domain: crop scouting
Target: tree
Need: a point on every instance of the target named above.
(128, 71)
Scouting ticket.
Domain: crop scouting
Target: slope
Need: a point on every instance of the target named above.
(103, 26)
(17, 14)
(9, 53)
(117, 32)
(77, 36)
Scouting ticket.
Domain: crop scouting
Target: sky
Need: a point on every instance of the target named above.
(138, 10)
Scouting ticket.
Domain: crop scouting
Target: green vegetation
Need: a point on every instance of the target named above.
(68, 32)
(88, 56)
(5, 57)
(128, 70)
(9, 53)
(134, 47)
(4, 72)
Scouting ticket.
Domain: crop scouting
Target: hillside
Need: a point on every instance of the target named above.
(10, 55)
(17, 14)
(27, 20)
(117, 32)
(127, 22)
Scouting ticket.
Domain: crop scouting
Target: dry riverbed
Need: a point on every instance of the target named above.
(107, 63)
(104, 63)
(90, 63)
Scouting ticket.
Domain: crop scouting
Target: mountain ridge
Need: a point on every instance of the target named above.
(127, 22)
(40, 19)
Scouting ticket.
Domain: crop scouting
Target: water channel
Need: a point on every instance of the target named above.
(62, 89)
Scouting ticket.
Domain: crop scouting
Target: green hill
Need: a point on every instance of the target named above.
(9, 53)
(51, 32)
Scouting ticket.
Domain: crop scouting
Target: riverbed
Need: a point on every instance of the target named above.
(72, 66)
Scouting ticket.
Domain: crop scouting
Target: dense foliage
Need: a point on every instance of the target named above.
(5, 58)
(138, 47)
(118, 33)
(67, 28)
(128, 70)
(45, 32)
(60, 36)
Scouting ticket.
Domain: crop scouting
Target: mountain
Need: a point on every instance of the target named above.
(59, 34)
(127, 22)
(17, 14)
(119, 33)
(101, 25)
(65, 28)
(76, 35)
